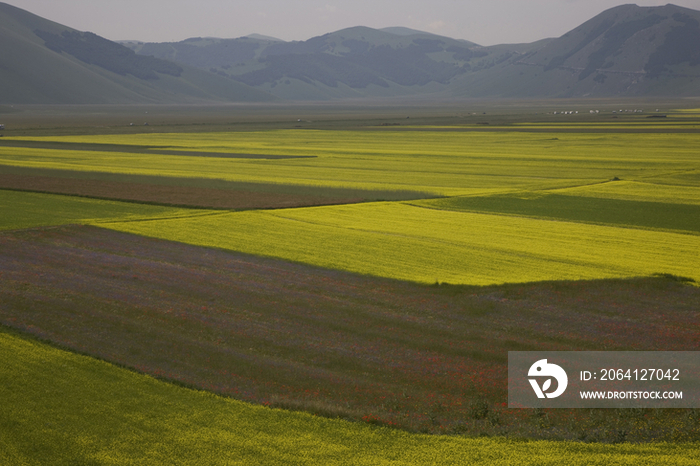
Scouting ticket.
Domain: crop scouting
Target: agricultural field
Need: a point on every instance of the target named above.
(374, 275)
(29, 210)
(437, 162)
(436, 246)
(191, 192)
(60, 408)
(586, 207)
(276, 333)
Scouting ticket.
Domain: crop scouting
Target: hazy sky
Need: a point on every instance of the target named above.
(485, 22)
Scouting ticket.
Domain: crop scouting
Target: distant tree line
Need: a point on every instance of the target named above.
(95, 50)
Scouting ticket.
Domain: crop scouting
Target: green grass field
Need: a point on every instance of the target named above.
(551, 205)
(60, 408)
(685, 191)
(26, 210)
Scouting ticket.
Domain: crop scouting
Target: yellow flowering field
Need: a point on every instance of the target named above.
(441, 162)
(427, 245)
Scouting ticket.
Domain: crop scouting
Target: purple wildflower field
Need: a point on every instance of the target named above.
(421, 358)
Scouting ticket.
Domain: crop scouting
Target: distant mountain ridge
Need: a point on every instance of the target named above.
(624, 51)
(353, 62)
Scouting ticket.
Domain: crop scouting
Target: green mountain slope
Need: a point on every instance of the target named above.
(45, 62)
(624, 51)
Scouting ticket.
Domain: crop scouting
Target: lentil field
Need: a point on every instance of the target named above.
(377, 277)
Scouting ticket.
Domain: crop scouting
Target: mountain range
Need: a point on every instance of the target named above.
(43, 62)
(624, 51)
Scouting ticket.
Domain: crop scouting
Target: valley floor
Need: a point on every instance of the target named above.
(377, 277)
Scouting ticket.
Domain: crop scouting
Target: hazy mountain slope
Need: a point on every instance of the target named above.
(624, 51)
(45, 62)
(204, 52)
(32, 73)
(352, 62)
(627, 50)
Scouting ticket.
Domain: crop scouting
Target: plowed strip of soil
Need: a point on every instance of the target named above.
(163, 194)
(424, 358)
(96, 147)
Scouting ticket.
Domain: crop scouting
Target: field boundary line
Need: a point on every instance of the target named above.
(552, 219)
(114, 199)
(155, 219)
